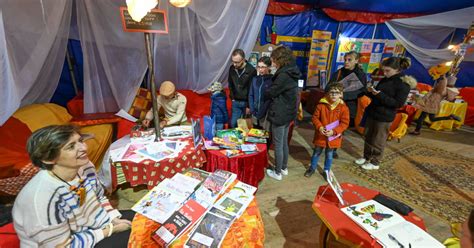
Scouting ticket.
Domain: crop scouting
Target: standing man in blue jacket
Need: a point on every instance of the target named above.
(240, 76)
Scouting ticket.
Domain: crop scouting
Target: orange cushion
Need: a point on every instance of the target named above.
(423, 87)
(141, 104)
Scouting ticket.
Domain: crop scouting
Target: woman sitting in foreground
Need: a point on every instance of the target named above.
(64, 204)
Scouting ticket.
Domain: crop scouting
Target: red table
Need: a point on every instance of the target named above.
(150, 173)
(337, 226)
(249, 168)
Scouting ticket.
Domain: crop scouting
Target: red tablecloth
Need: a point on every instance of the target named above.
(342, 227)
(151, 173)
(249, 168)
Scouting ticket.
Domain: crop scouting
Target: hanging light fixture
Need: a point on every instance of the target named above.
(449, 63)
(180, 3)
(139, 8)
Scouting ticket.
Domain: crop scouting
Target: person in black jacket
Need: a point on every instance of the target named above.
(240, 76)
(283, 93)
(389, 95)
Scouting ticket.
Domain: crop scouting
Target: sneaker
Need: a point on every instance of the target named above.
(370, 166)
(284, 172)
(360, 161)
(273, 175)
(309, 172)
(415, 133)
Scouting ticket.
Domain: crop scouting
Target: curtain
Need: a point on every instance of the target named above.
(421, 36)
(198, 48)
(195, 52)
(33, 40)
(114, 60)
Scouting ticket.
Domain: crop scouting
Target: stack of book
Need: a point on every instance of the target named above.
(257, 136)
(200, 207)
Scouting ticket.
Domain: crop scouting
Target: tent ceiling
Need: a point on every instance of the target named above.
(399, 6)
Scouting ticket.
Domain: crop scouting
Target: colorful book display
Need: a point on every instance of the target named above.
(196, 212)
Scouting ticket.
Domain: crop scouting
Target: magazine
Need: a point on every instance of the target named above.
(255, 140)
(179, 222)
(130, 153)
(258, 133)
(331, 126)
(351, 83)
(176, 132)
(209, 232)
(196, 174)
(159, 204)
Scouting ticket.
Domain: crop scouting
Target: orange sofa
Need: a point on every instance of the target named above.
(15, 166)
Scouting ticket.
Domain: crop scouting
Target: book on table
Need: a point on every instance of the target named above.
(388, 227)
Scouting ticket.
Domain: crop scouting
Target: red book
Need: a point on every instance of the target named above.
(179, 222)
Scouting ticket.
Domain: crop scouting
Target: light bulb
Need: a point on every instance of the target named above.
(449, 63)
(180, 3)
(450, 47)
(139, 8)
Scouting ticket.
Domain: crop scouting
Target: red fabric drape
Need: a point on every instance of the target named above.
(363, 17)
(277, 8)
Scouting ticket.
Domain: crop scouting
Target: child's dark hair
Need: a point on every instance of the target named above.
(353, 53)
(266, 60)
(334, 86)
(397, 63)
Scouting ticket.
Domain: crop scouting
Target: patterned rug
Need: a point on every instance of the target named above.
(435, 180)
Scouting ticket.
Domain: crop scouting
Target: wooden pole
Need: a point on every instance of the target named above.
(151, 71)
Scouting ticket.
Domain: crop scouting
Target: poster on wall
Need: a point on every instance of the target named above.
(372, 51)
(253, 59)
(319, 56)
(300, 47)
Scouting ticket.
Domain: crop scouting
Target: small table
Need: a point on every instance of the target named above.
(250, 168)
(337, 226)
(246, 231)
(147, 171)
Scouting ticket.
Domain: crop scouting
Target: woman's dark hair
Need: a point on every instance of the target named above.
(282, 56)
(353, 53)
(397, 63)
(240, 52)
(45, 144)
(266, 60)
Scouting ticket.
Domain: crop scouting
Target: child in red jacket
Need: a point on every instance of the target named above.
(330, 119)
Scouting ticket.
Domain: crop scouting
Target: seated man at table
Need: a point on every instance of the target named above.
(173, 104)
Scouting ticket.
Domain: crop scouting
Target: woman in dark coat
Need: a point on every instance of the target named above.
(283, 108)
(389, 95)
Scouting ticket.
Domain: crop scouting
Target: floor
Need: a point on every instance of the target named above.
(286, 205)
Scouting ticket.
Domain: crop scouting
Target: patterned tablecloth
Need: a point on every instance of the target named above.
(247, 231)
(249, 168)
(147, 171)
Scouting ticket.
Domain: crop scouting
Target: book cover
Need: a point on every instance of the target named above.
(179, 222)
(406, 234)
(259, 133)
(372, 216)
(242, 190)
(158, 204)
(335, 186)
(196, 174)
(351, 83)
(209, 232)
(331, 126)
(130, 152)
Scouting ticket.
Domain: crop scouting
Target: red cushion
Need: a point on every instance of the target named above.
(76, 105)
(467, 94)
(13, 155)
(8, 237)
(469, 119)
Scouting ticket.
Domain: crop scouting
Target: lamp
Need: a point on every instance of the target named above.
(139, 8)
(180, 3)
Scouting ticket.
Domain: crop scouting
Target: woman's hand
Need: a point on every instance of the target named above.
(373, 91)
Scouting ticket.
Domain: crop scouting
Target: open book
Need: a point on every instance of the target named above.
(388, 227)
(351, 83)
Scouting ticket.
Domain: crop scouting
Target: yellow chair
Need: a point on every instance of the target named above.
(399, 127)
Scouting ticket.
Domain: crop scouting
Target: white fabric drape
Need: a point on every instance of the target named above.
(195, 53)
(421, 36)
(197, 50)
(114, 60)
(33, 40)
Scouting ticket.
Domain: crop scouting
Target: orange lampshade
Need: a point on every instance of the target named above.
(180, 3)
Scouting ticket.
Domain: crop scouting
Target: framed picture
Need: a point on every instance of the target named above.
(154, 22)
(253, 59)
(323, 79)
